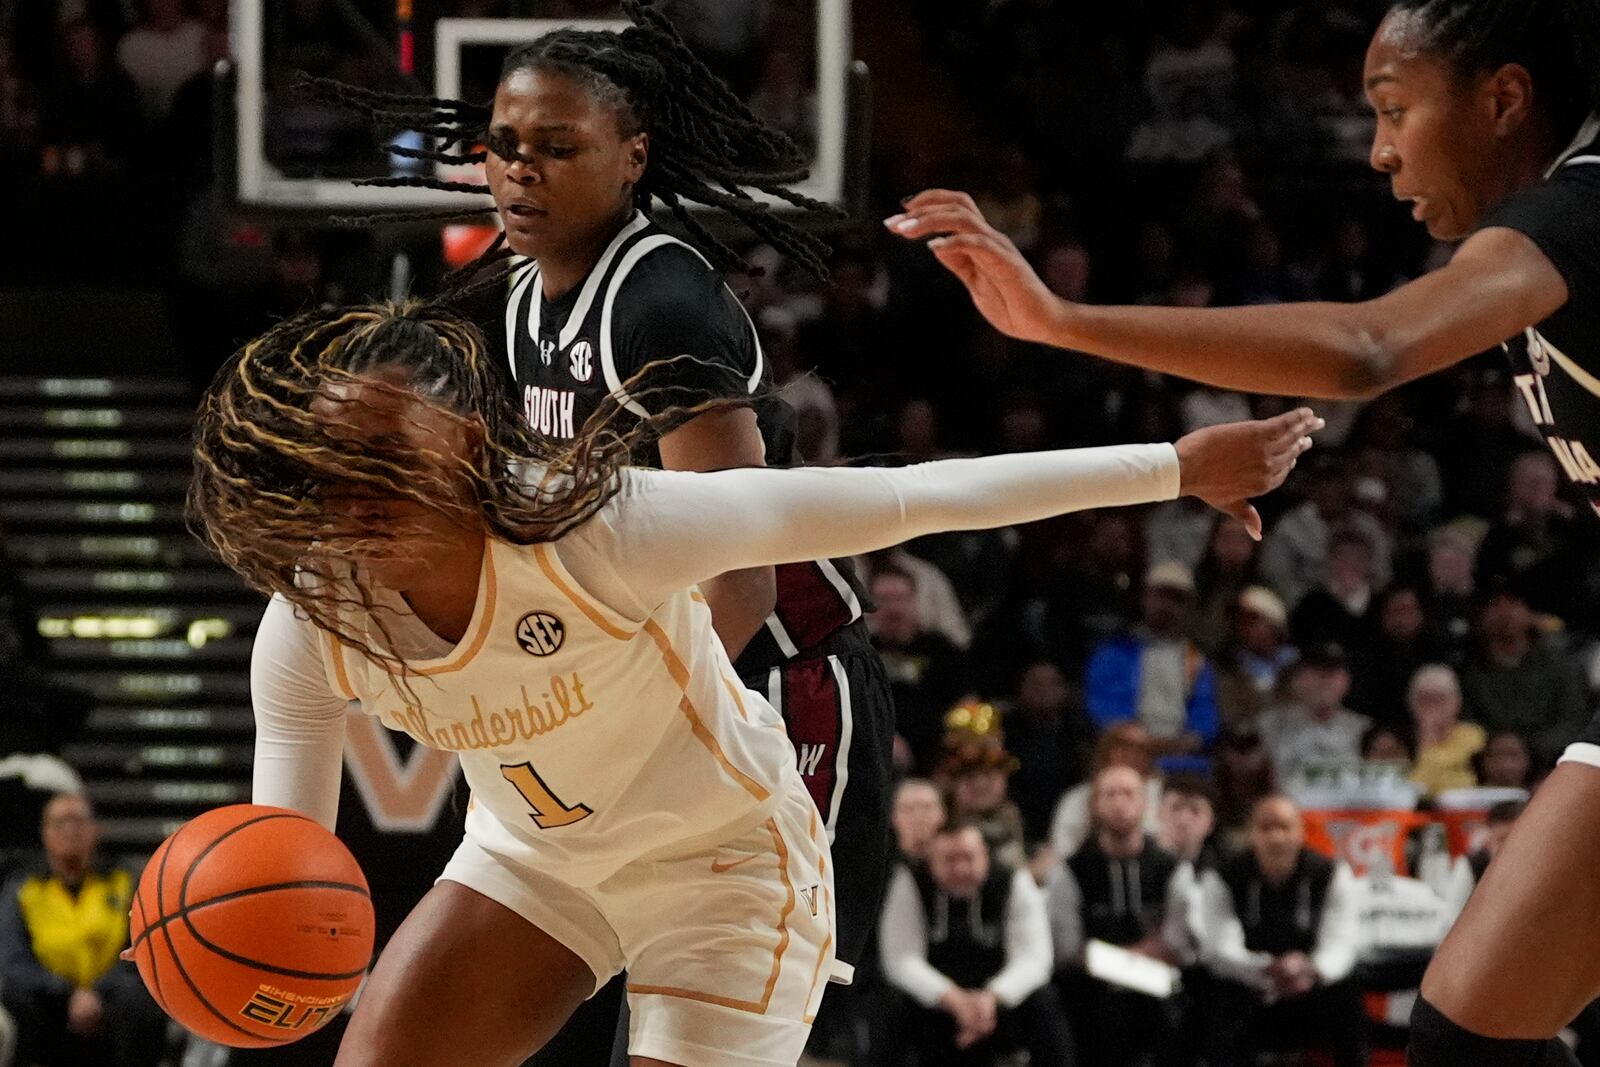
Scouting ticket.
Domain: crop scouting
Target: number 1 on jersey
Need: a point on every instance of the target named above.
(548, 811)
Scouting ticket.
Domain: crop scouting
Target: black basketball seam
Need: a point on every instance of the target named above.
(155, 972)
(183, 912)
(252, 891)
(161, 885)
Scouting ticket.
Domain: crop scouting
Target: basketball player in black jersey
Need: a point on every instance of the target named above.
(586, 129)
(1486, 123)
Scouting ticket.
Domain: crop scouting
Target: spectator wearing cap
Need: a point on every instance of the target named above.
(1278, 939)
(1295, 552)
(1316, 730)
(977, 777)
(967, 941)
(1445, 745)
(1122, 888)
(1510, 681)
(1255, 662)
(1155, 674)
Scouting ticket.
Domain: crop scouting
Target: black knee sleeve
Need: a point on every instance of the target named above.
(1438, 1042)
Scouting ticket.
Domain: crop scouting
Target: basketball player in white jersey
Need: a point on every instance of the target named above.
(534, 609)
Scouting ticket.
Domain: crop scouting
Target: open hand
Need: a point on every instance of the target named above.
(1227, 465)
(1003, 285)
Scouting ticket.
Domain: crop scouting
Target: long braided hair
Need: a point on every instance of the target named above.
(1558, 41)
(706, 145)
(268, 468)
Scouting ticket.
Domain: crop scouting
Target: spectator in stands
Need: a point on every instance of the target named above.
(1446, 746)
(1229, 566)
(92, 110)
(1386, 452)
(1279, 938)
(1387, 747)
(1535, 534)
(1316, 731)
(1187, 818)
(1513, 682)
(918, 813)
(1451, 592)
(976, 777)
(1255, 663)
(938, 608)
(1122, 888)
(1126, 744)
(1403, 642)
(1179, 532)
(161, 53)
(1484, 443)
(1087, 587)
(967, 940)
(1244, 775)
(62, 925)
(1156, 675)
(1051, 739)
(926, 671)
(1339, 609)
(1497, 824)
(1294, 554)
(1506, 762)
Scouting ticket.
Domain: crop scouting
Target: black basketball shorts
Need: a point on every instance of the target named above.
(840, 716)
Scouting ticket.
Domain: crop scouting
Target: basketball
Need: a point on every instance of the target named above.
(252, 926)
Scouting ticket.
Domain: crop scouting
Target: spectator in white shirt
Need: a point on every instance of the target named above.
(1123, 889)
(1317, 731)
(968, 942)
(1279, 937)
(161, 53)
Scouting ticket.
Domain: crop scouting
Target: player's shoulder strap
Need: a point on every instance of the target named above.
(524, 282)
(643, 245)
(1584, 150)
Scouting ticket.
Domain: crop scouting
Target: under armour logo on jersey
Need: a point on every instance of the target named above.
(540, 633)
(547, 352)
(580, 361)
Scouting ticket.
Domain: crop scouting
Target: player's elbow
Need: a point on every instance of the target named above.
(1373, 364)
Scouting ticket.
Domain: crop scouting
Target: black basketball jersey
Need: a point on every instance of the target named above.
(1556, 364)
(654, 326)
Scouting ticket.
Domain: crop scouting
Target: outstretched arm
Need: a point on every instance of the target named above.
(668, 530)
(299, 718)
(1498, 284)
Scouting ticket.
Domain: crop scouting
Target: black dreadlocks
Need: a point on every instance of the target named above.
(1558, 41)
(706, 145)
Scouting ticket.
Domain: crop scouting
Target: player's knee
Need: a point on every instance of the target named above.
(1437, 1041)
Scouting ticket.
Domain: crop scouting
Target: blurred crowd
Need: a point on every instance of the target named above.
(1115, 727)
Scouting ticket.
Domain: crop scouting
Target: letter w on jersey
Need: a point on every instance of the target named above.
(810, 758)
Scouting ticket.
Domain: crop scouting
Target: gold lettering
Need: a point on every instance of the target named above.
(480, 735)
(497, 726)
(583, 701)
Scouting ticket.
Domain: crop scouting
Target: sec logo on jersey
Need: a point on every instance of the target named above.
(580, 361)
(540, 633)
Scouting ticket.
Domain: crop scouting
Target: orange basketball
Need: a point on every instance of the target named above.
(252, 925)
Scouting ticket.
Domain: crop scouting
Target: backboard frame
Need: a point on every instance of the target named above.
(256, 184)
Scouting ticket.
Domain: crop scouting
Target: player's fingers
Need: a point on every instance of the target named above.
(936, 221)
(981, 248)
(1247, 514)
(931, 198)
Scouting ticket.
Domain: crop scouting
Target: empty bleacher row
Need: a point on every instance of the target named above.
(136, 615)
